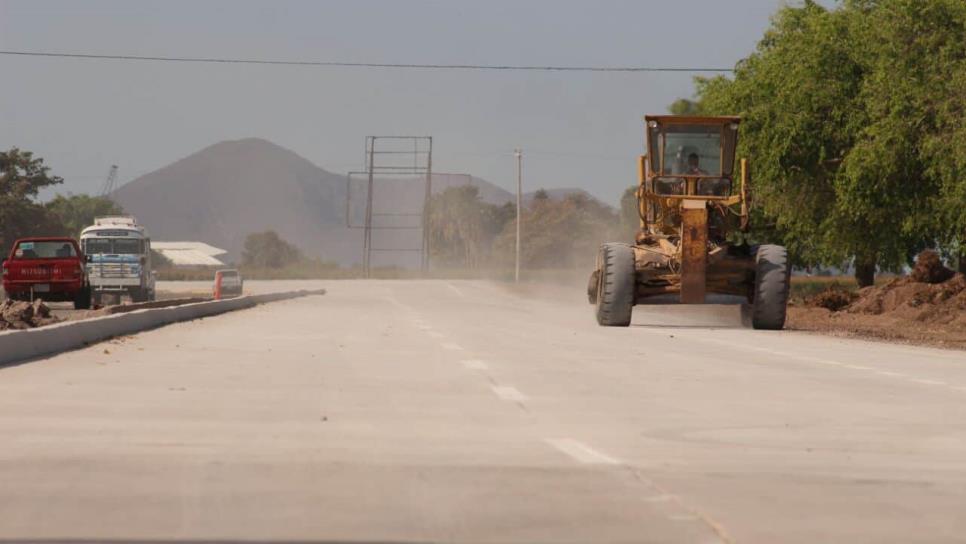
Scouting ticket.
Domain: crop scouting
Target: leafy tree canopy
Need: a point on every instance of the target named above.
(853, 119)
(268, 250)
(76, 212)
(21, 177)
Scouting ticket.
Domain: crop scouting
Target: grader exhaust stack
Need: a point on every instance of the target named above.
(690, 204)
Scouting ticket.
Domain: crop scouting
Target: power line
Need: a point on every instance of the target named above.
(520, 68)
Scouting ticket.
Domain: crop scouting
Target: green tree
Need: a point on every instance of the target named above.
(462, 226)
(21, 177)
(853, 120)
(456, 225)
(796, 143)
(560, 233)
(268, 250)
(76, 212)
(683, 106)
(893, 176)
(917, 75)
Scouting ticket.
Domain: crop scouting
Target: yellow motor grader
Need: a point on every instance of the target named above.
(689, 200)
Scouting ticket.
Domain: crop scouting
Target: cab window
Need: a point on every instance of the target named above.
(692, 150)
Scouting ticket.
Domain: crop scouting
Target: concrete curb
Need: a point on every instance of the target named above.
(26, 344)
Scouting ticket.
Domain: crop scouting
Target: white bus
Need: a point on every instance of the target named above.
(120, 259)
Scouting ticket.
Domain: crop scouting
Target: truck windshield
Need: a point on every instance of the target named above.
(94, 246)
(57, 249)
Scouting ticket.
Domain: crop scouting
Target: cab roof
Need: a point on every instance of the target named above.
(693, 119)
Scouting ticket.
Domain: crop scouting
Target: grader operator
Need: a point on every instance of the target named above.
(689, 205)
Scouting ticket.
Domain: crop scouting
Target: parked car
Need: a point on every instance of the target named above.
(53, 269)
(231, 282)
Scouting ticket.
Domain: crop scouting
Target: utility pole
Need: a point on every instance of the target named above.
(519, 155)
(367, 236)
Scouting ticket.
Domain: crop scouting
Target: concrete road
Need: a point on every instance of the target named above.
(420, 411)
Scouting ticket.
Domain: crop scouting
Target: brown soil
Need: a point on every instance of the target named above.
(930, 269)
(833, 298)
(24, 315)
(928, 306)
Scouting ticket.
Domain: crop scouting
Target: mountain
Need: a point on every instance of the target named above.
(228, 190)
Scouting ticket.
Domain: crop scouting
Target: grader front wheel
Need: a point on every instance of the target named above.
(615, 285)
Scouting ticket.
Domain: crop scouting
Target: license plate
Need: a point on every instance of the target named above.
(42, 288)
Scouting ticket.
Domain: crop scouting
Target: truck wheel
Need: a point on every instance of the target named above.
(137, 295)
(82, 300)
(772, 286)
(616, 285)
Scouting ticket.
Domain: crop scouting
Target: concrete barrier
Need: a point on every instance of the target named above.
(17, 345)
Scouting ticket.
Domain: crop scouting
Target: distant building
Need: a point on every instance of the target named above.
(189, 254)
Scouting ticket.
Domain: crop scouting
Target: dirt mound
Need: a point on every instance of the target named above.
(902, 310)
(926, 307)
(941, 303)
(834, 298)
(930, 269)
(24, 315)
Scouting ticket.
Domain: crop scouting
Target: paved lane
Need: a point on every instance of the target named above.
(459, 411)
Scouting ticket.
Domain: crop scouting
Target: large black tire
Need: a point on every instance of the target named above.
(616, 285)
(772, 285)
(82, 301)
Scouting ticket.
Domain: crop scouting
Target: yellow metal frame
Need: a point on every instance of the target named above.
(644, 195)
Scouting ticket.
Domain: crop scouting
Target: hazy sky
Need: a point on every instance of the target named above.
(576, 129)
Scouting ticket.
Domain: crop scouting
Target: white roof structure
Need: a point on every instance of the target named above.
(189, 253)
(115, 220)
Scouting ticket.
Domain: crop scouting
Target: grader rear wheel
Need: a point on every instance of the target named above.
(616, 283)
(772, 285)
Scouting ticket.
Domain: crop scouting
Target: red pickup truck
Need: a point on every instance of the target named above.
(49, 268)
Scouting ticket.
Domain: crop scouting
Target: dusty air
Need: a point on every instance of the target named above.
(482, 272)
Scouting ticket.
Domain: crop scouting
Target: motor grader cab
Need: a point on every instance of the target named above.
(691, 196)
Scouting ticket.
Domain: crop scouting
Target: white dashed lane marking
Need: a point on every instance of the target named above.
(452, 346)
(455, 290)
(929, 382)
(582, 453)
(474, 364)
(511, 394)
